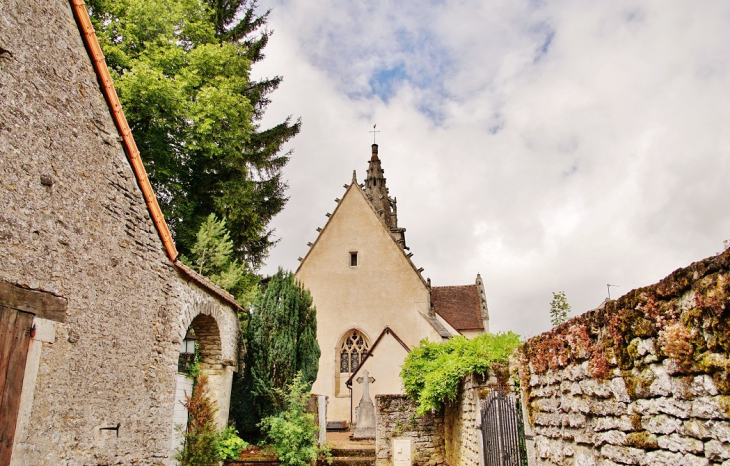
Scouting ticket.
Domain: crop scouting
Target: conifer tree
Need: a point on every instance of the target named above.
(281, 341)
(212, 256)
(237, 22)
(201, 436)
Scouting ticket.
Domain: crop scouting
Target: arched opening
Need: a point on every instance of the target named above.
(200, 353)
(208, 341)
(349, 353)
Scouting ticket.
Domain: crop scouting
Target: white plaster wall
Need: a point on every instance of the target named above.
(183, 387)
(472, 333)
(225, 381)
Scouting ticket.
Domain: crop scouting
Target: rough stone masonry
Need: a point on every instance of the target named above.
(642, 380)
(73, 224)
(396, 417)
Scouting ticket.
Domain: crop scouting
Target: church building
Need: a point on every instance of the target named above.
(373, 304)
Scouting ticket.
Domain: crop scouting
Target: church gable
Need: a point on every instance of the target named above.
(383, 363)
(356, 240)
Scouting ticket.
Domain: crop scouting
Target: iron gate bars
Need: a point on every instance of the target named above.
(503, 431)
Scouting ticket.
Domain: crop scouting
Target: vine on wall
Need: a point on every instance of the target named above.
(432, 372)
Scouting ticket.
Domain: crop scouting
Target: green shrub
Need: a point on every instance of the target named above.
(230, 444)
(293, 432)
(432, 372)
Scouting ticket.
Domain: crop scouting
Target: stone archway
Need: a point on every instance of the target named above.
(209, 342)
(220, 326)
(215, 327)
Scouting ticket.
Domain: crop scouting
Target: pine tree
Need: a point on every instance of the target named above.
(281, 341)
(213, 247)
(212, 256)
(236, 22)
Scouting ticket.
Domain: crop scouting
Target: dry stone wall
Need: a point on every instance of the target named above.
(73, 223)
(462, 422)
(396, 416)
(642, 380)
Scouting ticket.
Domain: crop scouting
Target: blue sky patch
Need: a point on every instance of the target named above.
(545, 34)
(384, 82)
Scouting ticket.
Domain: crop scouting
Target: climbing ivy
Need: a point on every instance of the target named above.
(432, 372)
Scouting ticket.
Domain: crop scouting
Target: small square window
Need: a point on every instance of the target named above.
(353, 259)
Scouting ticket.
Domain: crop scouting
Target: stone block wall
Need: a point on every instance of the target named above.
(73, 223)
(462, 422)
(396, 416)
(642, 380)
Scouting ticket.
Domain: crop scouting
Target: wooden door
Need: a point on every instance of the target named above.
(15, 328)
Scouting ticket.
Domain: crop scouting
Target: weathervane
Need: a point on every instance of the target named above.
(373, 131)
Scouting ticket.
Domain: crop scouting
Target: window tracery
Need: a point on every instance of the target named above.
(353, 350)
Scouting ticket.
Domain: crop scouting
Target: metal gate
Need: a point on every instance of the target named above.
(503, 431)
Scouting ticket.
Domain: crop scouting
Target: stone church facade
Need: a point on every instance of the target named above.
(373, 304)
(93, 302)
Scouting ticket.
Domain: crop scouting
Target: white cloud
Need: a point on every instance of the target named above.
(549, 146)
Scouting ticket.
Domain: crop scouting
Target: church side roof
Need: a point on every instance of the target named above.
(460, 306)
(386, 331)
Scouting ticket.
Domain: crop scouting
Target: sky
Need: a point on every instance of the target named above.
(548, 146)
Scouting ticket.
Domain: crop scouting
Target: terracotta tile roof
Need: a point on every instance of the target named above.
(458, 305)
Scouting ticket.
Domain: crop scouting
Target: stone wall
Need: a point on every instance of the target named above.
(462, 422)
(642, 380)
(73, 223)
(396, 416)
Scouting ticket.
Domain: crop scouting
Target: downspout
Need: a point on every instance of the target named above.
(349, 387)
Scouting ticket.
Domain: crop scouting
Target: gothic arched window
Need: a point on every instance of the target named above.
(352, 351)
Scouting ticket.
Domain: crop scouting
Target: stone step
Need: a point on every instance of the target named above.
(353, 452)
(353, 461)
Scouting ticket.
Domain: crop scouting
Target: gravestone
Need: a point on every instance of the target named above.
(365, 427)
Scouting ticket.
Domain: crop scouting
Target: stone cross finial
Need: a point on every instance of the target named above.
(366, 380)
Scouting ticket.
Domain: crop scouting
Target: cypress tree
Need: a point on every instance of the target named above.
(281, 341)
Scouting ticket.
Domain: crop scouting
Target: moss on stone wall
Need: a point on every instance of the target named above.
(684, 317)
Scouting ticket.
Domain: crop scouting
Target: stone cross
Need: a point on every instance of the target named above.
(366, 380)
(365, 426)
